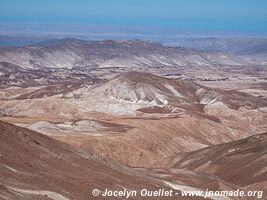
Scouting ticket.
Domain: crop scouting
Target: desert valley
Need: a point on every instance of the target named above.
(77, 115)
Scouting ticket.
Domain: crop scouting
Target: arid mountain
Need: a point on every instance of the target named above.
(148, 117)
(135, 91)
(96, 118)
(73, 53)
(229, 45)
(34, 166)
(250, 49)
(70, 59)
(14, 75)
(145, 87)
(241, 162)
(260, 49)
(257, 53)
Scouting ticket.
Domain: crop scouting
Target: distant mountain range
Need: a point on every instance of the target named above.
(230, 45)
(247, 48)
(237, 46)
(73, 53)
(6, 41)
(52, 61)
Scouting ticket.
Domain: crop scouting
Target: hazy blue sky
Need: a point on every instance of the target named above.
(248, 17)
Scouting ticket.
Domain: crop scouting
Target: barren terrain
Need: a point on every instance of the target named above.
(182, 119)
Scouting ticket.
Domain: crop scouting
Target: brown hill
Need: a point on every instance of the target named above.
(241, 162)
(35, 166)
